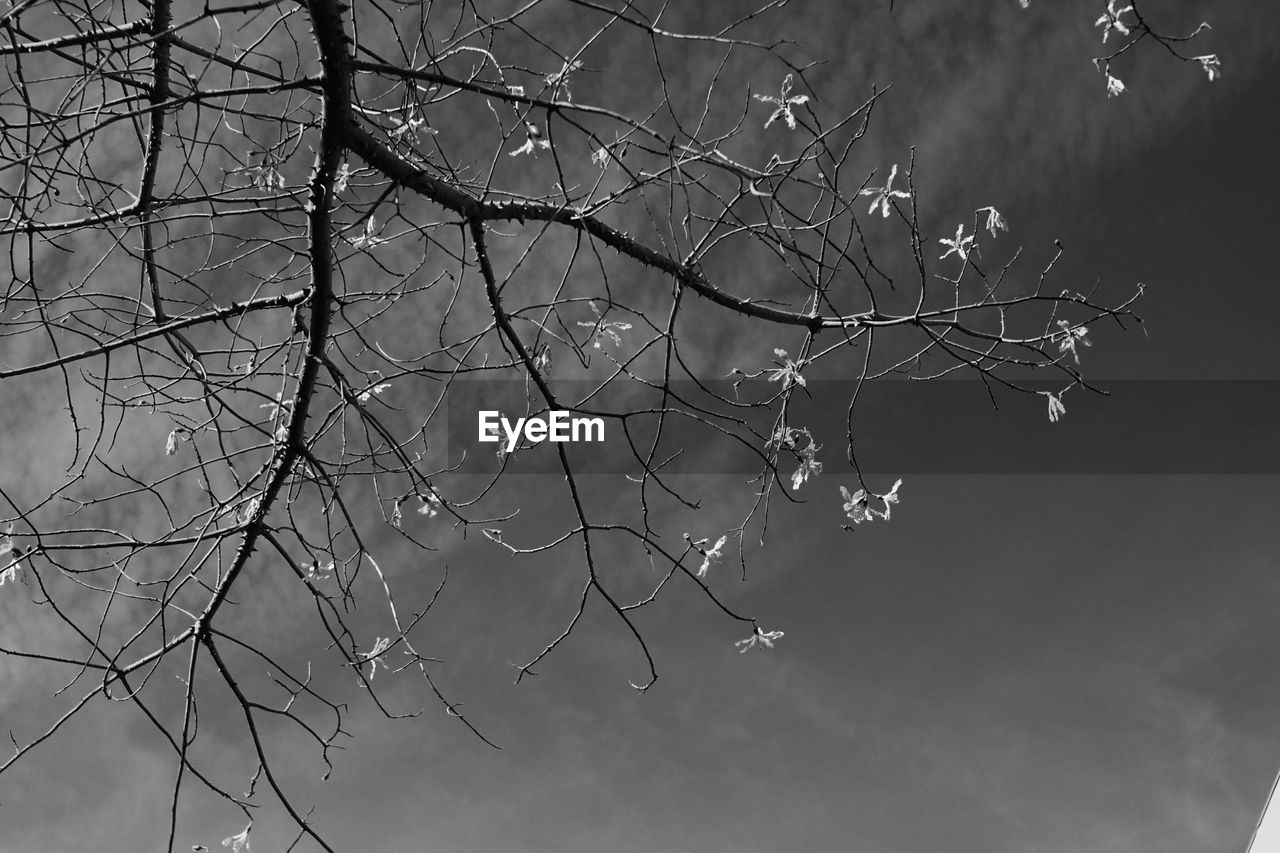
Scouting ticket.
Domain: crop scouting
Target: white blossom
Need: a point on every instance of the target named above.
(239, 843)
(604, 328)
(789, 373)
(342, 177)
(250, 509)
(809, 467)
(266, 176)
(318, 571)
(760, 637)
(1111, 20)
(370, 237)
(1211, 65)
(1069, 339)
(530, 147)
(376, 389)
(412, 126)
(857, 506)
(889, 499)
(430, 505)
(533, 141)
(789, 438)
(1056, 409)
(712, 555)
(1115, 86)
(784, 102)
(995, 222)
(961, 245)
(13, 571)
(560, 79)
(373, 657)
(883, 195)
(280, 403)
(542, 361)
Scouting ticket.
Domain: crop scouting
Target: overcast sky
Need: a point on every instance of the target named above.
(1035, 662)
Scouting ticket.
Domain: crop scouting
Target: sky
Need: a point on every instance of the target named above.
(1031, 660)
